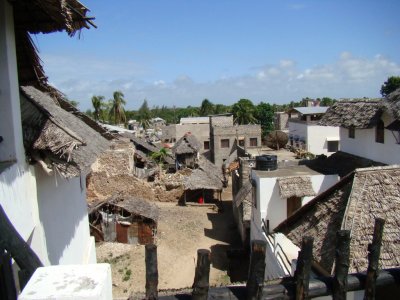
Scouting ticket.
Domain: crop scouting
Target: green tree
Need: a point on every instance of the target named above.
(159, 156)
(390, 85)
(243, 112)
(117, 112)
(144, 114)
(220, 109)
(326, 101)
(97, 102)
(206, 108)
(264, 113)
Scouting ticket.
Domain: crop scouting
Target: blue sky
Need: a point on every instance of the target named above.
(178, 52)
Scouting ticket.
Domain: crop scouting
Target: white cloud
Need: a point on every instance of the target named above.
(348, 76)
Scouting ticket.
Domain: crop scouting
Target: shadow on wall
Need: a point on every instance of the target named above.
(63, 214)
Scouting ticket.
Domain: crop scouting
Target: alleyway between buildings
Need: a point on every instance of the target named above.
(181, 232)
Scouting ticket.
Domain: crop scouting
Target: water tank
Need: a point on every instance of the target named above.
(266, 162)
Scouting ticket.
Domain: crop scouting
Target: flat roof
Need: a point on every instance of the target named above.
(311, 110)
(286, 171)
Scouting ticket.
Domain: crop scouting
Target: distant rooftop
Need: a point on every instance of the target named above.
(312, 110)
(195, 120)
(285, 171)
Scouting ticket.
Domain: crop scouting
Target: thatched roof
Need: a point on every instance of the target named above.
(207, 176)
(298, 186)
(136, 206)
(145, 147)
(43, 16)
(245, 196)
(393, 104)
(353, 203)
(58, 138)
(201, 180)
(186, 144)
(354, 113)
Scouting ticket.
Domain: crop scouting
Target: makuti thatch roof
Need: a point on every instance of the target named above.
(298, 186)
(360, 113)
(145, 147)
(188, 144)
(353, 204)
(245, 197)
(135, 206)
(56, 137)
(393, 104)
(201, 180)
(207, 176)
(43, 16)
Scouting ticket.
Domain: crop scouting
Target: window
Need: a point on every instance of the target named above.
(293, 204)
(253, 142)
(333, 146)
(352, 133)
(241, 142)
(380, 132)
(225, 143)
(206, 145)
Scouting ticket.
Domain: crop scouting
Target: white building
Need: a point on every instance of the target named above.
(45, 147)
(306, 134)
(368, 128)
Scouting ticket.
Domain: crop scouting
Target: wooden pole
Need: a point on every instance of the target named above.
(15, 245)
(374, 250)
(151, 272)
(7, 283)
(341, 265)
(256, 269)
(201, 282)
(303, 268)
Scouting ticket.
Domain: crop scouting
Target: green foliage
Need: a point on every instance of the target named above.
(326, 101)
(243, 112)
(206, 108)
(390, 85)
(264, 114)
(117, 112)
(160, 155)
(97, 102)
(144, 115)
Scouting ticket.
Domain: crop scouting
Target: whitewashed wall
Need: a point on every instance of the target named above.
(63, 215)
(270, 205)
(364, 144)
(317, 138)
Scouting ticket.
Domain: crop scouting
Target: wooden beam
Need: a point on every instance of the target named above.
(256, 269)
(374, 251)
(151, 272)
(201, 282)
(341, 265)
(303, 268)
(16, 246)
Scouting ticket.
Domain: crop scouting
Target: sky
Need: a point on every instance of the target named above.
(179, 52)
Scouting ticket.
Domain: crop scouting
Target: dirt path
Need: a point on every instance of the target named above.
(181, 232)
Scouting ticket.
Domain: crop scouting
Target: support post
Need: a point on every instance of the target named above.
(201, 282)
(151, 272)
(303, 268)
(374, 250)
(7, 283)
(15, 245)
(341, 265)
(256, 269)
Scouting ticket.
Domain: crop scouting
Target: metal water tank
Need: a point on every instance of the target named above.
(266, 162)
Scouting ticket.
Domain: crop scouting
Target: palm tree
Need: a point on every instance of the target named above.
(97, 102)
(160, 155)
(117, 111)
(243, 112)
(144, 115)
(206, 108)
